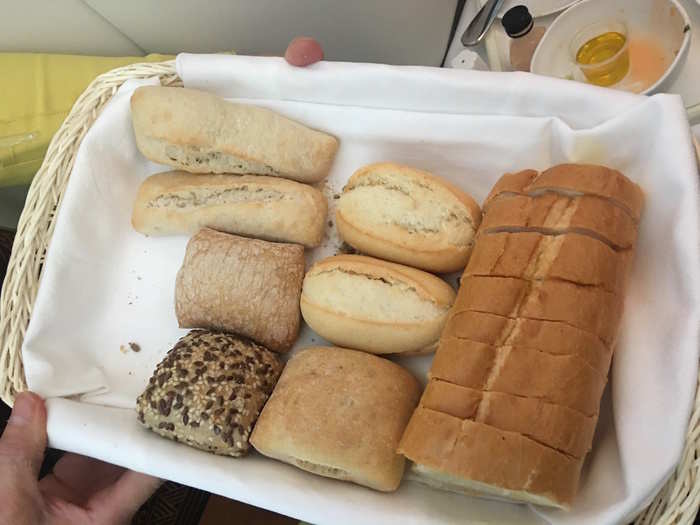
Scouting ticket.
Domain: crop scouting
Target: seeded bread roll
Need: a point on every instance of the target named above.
(339, 413)
(408, 216)
(241, 285)
(202, 133)
(268, 208)
(377, 306)
(209, 390)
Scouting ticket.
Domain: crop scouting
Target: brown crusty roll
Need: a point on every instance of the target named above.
(241, 285)
(339, 413)
(408, 216)
(269, 208)
(208, 391)
(201, 133)
(515, 387)
(373, 305)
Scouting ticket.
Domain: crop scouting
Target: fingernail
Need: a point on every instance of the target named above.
(23, 409)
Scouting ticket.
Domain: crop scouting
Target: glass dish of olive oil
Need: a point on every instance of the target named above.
(601, 53)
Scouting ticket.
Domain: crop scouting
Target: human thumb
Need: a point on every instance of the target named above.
(24, 440)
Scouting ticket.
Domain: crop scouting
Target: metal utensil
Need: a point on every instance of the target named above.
(478, 27)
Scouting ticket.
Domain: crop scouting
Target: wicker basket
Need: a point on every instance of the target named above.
(676, 502)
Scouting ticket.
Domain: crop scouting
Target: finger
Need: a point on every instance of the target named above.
(303, 51)
(118, 503)
(24, 440)
(81, 475)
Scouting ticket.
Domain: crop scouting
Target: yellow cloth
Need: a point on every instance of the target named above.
(36, 93)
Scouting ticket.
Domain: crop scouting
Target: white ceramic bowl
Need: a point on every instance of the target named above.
(664, 18)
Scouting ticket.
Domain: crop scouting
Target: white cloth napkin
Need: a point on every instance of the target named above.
(104, 285)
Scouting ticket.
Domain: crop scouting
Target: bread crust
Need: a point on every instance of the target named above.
(202, 133)
(374, 305)
(409, 216)
(587, 179)
(565, 380)
(269, 208)
(339, 413)
(555, 426)
(534, 256)
(241, 285)
(473, 457)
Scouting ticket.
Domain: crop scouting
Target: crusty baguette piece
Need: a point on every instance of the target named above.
(339, 413)
(241, 285)
(201, 133)
(553, 213)
(584, 307)
(547, 336)
(269, 208)
(409, 216)
(373, 305)
(575, 179)
(473, 458)
(533, 256)
(561, 428)
(208, 391)
(565, 380)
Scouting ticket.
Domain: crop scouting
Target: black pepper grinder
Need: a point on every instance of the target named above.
(524, 35)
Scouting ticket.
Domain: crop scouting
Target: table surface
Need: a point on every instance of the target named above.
(687, 85)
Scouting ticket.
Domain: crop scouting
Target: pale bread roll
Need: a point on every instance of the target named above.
(477, 459)
(269, 208)
(339, 413)
(409, 216)
(556, 426)
(201, 133)
(373, 305)
(246, 286)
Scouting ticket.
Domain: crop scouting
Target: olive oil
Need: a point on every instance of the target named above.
(604, 59)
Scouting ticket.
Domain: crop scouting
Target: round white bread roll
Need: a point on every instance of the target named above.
(372, 305)
(408, 216)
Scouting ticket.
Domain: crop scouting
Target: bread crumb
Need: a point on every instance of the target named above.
(123, 349)
(135, 347)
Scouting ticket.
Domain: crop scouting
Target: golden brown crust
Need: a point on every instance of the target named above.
(554, 213)
(565, 380)
(339, 413)
(587, 179)
(241, 285)
(533, 256)
(269, 208)
(548, 336)
(407, 215)
(466, 451)
(556, 426)
(584, 307)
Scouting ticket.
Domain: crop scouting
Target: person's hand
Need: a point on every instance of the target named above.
(80, 490)
(303, 51)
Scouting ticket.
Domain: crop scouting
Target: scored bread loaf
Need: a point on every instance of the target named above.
(241, 285)
(546, 336)
(201, 133)
(515, 385)
(409, 216)
(373, 305)
(269, 208)
(556, 426)
(464, 456)
(339, 413)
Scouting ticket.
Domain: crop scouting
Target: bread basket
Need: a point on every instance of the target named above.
(676, 502)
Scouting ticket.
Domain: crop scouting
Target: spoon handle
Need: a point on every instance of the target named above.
(482, 22)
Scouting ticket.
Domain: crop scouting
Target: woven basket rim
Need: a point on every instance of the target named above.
(676, 502)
